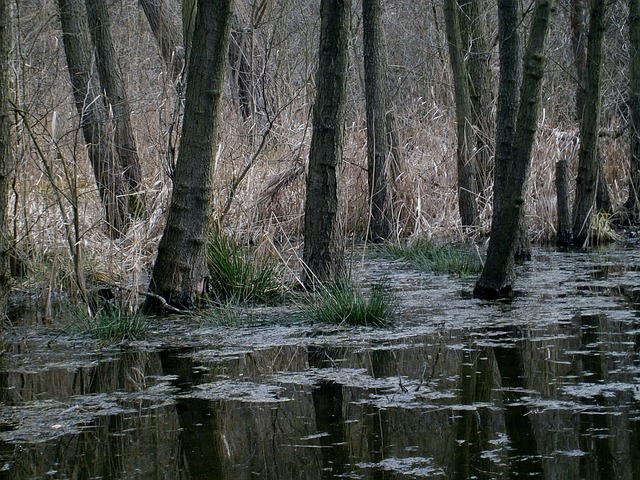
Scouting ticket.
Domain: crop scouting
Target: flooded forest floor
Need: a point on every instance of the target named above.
(545, 385)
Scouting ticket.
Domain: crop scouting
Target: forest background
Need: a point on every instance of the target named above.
(55, 217)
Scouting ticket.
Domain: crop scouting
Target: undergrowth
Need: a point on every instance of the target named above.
(453, 258)
(237, 277)
(111, 325)
(346, 304)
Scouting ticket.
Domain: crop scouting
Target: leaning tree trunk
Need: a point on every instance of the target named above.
(589, 166)
(323, 253)
(378, 148)
(498, 272)
(5, 147)
(115, 93)
(465, 156)
(632, 205)
(168, 34)
(93, 114)
(180, 271)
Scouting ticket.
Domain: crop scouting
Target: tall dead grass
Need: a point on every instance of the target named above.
(55, 191)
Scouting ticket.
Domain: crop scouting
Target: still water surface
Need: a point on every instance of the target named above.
(544, 386)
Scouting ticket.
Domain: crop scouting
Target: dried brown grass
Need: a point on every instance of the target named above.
(267, 208)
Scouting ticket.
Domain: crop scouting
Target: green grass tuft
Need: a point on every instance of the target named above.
(237, 277)
(345, 304)
(456, 259)
(112, 325)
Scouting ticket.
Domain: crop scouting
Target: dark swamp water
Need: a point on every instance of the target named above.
(544, 386)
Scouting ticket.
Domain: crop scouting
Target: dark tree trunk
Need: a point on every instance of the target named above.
(180, 271)
(474, 35)
(168, 35)
(240, 61)
(464, 129)
(323, 236)
(107, 172)
(113, 88)
(632, 205)
(378, 147)
(579, 42)
(589, 166)
(498, 272)
(564, 236)
(5, 147)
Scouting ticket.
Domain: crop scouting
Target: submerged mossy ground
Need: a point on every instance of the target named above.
(275, 388)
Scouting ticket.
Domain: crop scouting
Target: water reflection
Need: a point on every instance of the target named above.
(547, 386)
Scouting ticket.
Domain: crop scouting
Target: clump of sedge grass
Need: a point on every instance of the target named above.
(601, 231)
(456, 259)
(236, 277)
(112, 325)
(345, 304)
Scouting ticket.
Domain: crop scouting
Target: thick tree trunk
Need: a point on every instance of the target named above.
(498, 272)
(589, 167)
(378, 148)
(180, 271)
(107, 172)
(464, 129)
(115, 93)
(5, 147)
(632, 205)
(323, 236)
(168, 35)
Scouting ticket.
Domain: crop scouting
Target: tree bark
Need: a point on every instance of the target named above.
(478, 55)
(323, 237)
(563, 229)
(464, 130)
(113, 89)
(180, 271)
(498, 272)
(93, 114)
(168, 35)
(240, 61)
(589, 166)
(579, 42)
(6, 162)
(632, 205)
(378, 147)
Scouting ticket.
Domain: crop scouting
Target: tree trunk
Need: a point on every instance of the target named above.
(632, 205)
(510, 35)
(116, 98)
(589, 166)
(579, 42)
(474, 35)
(465, 162)
(180, 271)
(376, 94)
(240, 61)
(5, 147)
(498, 272)
(564, 236)
(168, 35)
(107, 172)
(323, 237)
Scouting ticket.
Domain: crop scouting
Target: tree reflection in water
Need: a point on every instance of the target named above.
(543, 389)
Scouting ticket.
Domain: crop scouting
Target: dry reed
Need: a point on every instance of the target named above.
(267, 207)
